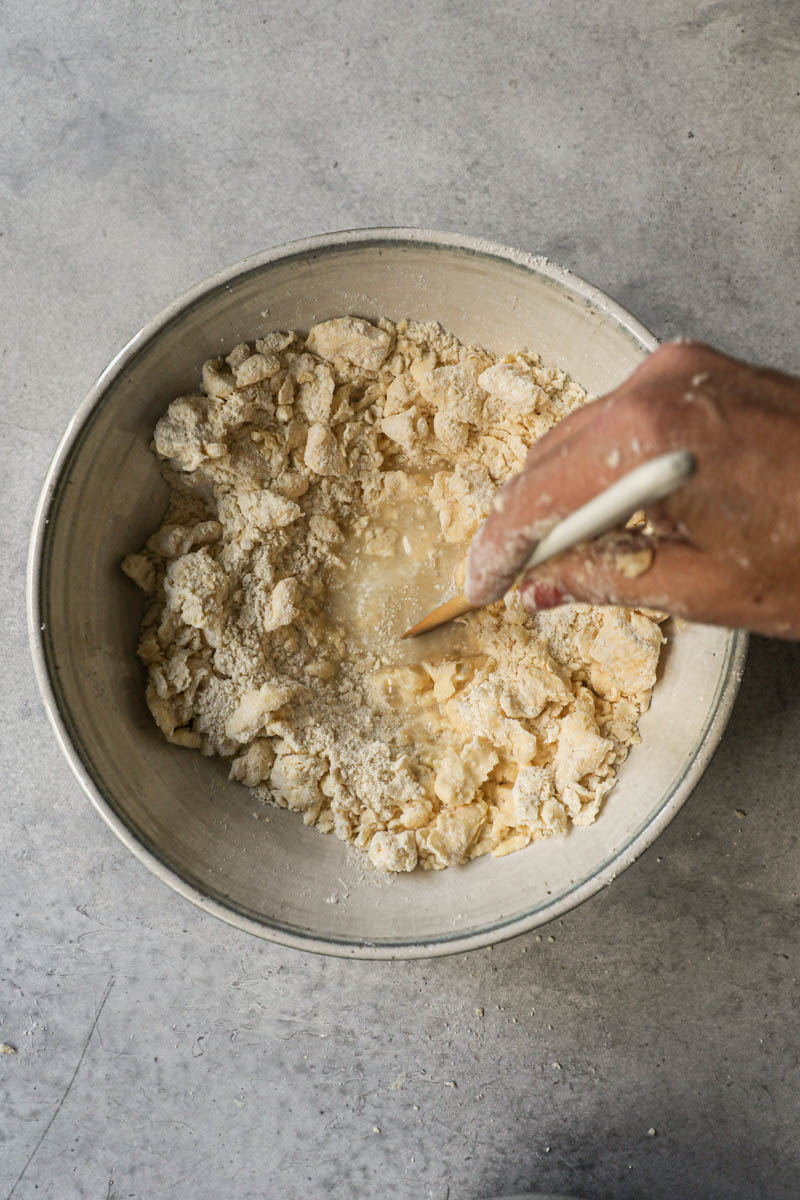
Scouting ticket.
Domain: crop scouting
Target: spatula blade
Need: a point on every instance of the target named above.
(459, 606)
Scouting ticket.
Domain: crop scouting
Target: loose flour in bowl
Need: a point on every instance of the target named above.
(323, 495)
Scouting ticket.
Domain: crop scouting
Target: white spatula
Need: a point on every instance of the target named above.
(644, 485)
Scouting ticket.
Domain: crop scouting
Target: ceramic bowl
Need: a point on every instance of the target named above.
(176, 810)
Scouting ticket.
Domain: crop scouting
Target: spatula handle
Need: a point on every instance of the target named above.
(644, 485)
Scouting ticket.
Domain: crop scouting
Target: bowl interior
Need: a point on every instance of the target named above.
(207, 836)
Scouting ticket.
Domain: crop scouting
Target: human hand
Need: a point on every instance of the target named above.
(724, 549)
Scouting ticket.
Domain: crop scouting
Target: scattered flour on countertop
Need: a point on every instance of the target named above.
(323, 495)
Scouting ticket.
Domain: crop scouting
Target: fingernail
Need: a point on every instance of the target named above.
(540, 593)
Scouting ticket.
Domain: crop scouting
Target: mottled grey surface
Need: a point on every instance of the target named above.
(653, 149)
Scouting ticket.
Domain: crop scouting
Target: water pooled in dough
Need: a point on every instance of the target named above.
(397, 567)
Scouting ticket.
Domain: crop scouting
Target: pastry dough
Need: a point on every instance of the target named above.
(323, 495)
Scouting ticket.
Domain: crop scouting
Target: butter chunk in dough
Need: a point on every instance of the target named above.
(182, 432)
(315, 388)
(514, 383)
(322, 453)
(285, 604)
(255, 369)
(254, 766)
(582, 751)
(460, 773)
(447, 840)
(255, 708)
(393, 851)
(624, 654)
(294, 781)
(536, 805)
(196, 588)
(266, 511)
(352, 339)
(406, 428)
(462, 497)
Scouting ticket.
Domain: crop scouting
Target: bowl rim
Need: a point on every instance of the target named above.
(274, 931)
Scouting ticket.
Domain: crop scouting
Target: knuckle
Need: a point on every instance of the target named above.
(675, 358)
(539, 593)
(645, 417)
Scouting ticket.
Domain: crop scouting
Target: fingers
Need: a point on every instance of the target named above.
(641, 572)
(629, 569)
(586, 452)
(566, 428)
(654, 410)
(681, 580)
(717, 547)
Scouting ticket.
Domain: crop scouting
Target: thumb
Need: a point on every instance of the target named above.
(585, 453)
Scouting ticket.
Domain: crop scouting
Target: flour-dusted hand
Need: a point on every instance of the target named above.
(724, 549)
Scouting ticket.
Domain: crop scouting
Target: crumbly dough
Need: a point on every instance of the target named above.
(323, 495)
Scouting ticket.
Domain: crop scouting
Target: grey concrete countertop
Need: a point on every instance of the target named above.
(653, 149)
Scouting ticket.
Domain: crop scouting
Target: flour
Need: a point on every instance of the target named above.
(323, 495)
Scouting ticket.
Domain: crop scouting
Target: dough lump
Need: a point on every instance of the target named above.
(323, 492)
